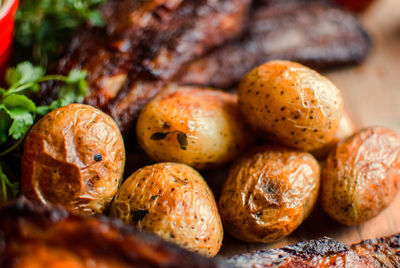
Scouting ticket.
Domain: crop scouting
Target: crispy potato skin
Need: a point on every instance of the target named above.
(173, 201)
(299, 106)
(269, 193)
(74, 156)
(361, 176)
(215, 130)
(347, 128)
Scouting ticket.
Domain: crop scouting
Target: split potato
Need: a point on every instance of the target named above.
(174, 202)
(199, 127)
(269, 193)
(296, 104)
(74, 156)
(361, 176)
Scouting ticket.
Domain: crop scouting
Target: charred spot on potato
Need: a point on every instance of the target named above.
(272, 194)
(98, 157)
(166, 125)
(138, 215)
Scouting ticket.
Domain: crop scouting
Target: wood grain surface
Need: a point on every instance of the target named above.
(372, 97)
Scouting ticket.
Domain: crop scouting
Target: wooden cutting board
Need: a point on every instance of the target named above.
(372, 96)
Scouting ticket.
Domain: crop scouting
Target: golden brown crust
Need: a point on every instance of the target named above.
(74, 156)
(174, 202)
(269, 193)
(361, 176)
(209, 118)
(298, 105)
(347, 127)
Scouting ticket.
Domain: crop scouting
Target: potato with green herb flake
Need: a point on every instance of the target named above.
(294, 103)
(74, 156)
(199, 127)
(174, 202)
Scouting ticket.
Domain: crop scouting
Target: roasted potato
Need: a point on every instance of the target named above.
(346, 128)
(269, 193)
(74, 156)
(173, 201)
(299, 106)
(199, 127)
(361, 176)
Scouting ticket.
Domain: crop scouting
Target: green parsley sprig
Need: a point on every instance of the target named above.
(18, 112)
(44, 27)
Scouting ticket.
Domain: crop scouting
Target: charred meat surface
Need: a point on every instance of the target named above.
(315, 33)
(33, 236)
(326, 252)
(144, 45)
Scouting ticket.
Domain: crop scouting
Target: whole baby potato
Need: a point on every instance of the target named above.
(269, 193)
(74, 156)
(361, 176)
(174, 202)
(199, 127)
(299, 106)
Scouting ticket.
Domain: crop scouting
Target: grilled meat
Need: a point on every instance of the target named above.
(144, 45)
(32, 236)
(313, 32)
(326, 252)
(147, 44)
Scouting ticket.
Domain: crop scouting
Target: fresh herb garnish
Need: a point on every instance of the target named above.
(43, 27)
(18, 112)
(181, 137)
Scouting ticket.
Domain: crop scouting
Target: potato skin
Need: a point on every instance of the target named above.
(173, 201)
(346, 128)
(74, 156)
(269, 193)
(299, 106)
(361, 176)
(211, 120)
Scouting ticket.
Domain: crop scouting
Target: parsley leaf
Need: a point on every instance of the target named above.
(22, 122)
(23, 73)
(5, 124)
